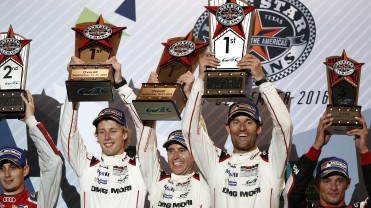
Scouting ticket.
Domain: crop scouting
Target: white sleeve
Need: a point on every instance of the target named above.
(280, 145)
(205, 153)
(50, 163)
(146, 142)
(72, 143)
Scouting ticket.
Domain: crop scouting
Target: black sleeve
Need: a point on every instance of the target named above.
(298, 181)
(366, 170)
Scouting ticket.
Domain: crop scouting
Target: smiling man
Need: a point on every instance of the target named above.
(114, 180)
(247, 177)
(332, 176)
(183, 187)
(14, 167)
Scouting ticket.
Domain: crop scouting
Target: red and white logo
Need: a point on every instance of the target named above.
(97, 32)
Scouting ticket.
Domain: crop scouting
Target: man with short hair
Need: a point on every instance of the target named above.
(247, 177)
(331, 176)
(114, 180)
(14, 167)
(183, 187)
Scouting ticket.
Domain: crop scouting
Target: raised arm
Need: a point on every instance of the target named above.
(361, 143)
(198, 141)
(72, 143)
(50, 160)
(146, 137)
(302, 174)
(280, 145)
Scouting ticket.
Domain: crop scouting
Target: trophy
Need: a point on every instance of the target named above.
(95, 43)
(343, 79)
(230, 26)
(14, 50)
(166, 100)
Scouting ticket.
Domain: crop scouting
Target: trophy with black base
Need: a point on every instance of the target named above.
(230, 26)
(14, 50)
(343, 76)
(165, 100)
(95, 43)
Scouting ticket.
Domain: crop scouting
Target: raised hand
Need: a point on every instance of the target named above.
(29, 103)
(207, 59)
(186, 80)
(323, 137)
(117, 69)
(252, 63)
(360, 136)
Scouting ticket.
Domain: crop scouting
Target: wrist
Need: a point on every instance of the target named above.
(260, 81)
(201, 76)
(120, 84)
(317, 147)
(363, 150)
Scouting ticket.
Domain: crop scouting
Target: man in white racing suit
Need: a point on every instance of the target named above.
(114, 180)
(14, 167)
(247, 177)
(184, 187)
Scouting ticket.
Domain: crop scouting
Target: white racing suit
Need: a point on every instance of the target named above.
(253, 179)
(50, 163)
(112, 181)
(165, 190)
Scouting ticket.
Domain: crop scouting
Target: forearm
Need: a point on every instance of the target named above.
(198, 141)
(366, 170)
(72, 144)
(50, 163)
(127, 96)
(282, 129)
(46, 149)
(302, 174)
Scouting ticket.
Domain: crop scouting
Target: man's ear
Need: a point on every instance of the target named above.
(26, 170)
(259, 129)
(227, 128)
(125, 135)
(348, 180)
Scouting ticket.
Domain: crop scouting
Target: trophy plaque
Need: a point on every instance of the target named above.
(230, 23)
(95, 43)
(14, 50)
(343, 79)
(166, 100)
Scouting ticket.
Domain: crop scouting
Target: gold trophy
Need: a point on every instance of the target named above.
(14, 50)
(343, 79)
(230, 23)
(95, 43)
(166, 100)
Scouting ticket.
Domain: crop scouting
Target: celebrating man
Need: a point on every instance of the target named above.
(184, 187)
(247, 177)
(332, 176)
(115, 179)
(14, 167)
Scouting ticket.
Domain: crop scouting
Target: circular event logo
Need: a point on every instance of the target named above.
(229, 14)
(344, 68)
(97, 32)
(182, 48)
(283, 35)
(10, 46)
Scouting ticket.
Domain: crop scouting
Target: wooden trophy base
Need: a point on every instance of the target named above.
(160, 101)
(344, 118)
(90, 82)
(11, 104)
(227, 86)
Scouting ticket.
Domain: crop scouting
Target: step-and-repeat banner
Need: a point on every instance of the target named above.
(291, 37)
